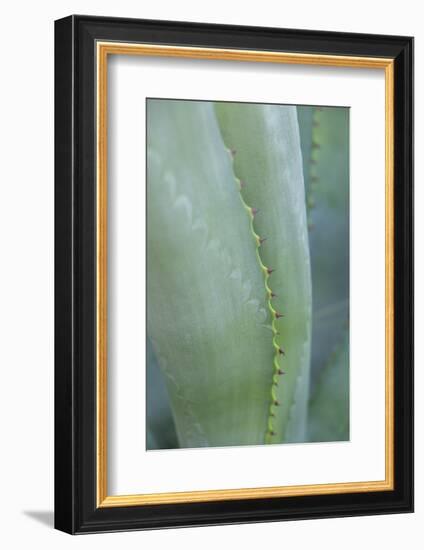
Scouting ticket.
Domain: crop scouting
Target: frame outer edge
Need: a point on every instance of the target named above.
(406, 263)
(64, 447)
(412, 261)
(71, 516)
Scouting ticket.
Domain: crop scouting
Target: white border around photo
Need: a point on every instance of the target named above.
(133, 470)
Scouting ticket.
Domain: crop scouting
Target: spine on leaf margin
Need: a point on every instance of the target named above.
(275, 315)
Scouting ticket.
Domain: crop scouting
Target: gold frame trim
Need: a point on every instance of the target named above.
(103, 49)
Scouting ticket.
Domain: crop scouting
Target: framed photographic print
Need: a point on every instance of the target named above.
(234, 270)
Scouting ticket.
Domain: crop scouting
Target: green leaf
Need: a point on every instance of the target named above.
(267, 160)
(305, 116)
(207, 315)
(326, 161)
(329, 406)
(161, 432)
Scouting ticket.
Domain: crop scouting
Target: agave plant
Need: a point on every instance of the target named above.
(325, 139)
(229, 277)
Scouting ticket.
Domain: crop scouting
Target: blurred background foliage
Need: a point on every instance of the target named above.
(325, 150)
(324, 139)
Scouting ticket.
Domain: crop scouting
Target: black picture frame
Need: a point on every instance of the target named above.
(76, 509)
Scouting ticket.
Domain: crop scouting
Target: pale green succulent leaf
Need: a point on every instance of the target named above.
(160, 425)
(305, 116)
(329, 405)
(326, 161)
(206, 311)
(267, 160)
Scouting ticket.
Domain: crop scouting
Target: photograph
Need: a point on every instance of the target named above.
(208, 289)
(247, 273)
(233, 273)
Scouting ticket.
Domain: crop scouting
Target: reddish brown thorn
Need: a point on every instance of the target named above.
(316, 145)
(281, 351)
(280, 372)
(254, 211)
(276, 403)
(233, 152)
(242, 184)
(261, 240)
(278, 315)
(269, 270)
(272, 432)
(272, 295)
(271, 414)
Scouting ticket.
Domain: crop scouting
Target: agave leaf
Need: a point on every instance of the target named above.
(305, 116)
(161, 432)
(329, 405)
(326, 161)
(267, 161)
(206, 312)
(328, 196)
